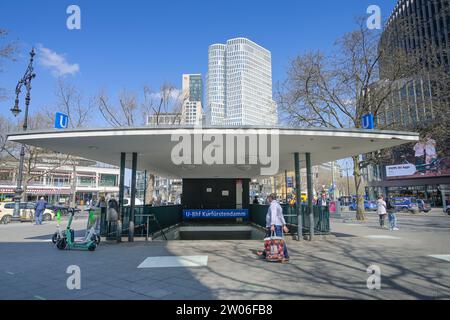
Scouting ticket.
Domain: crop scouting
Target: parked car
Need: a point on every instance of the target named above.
(424, 206)
(411, 204)
(368, 206)
(55, 207)
(26, 212)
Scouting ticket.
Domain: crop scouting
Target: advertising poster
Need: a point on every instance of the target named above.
(422, 161)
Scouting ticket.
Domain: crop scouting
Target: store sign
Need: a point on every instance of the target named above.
(400, 170)
(214, 213)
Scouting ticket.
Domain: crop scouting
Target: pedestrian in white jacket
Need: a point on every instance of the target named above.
(381, 210)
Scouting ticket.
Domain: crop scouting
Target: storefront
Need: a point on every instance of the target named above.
(432, 194)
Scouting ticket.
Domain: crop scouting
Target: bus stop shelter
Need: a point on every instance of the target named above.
(214, 152)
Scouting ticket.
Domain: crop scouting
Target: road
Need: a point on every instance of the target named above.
(414, 264)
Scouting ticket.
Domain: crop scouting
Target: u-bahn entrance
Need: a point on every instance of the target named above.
(215, 193)
(209, 159)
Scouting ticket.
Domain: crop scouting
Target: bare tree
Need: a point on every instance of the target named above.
(132, 111)
(337, 90)
(33, 155)
(70, 100)
(8, 50)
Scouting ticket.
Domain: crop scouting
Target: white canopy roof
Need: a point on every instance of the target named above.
(158, 147)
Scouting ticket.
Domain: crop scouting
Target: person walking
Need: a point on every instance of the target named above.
(275, 223)
(322, 201)
(39, 210)
(392, 217)
(381, 210)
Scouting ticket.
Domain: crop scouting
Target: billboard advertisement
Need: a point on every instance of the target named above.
(421, 162)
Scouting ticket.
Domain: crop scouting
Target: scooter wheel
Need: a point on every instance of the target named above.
(92, 247)
(96, 239)
(55, 238)
(61, 244)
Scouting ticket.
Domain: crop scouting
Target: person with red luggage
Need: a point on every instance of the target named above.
(275, 223)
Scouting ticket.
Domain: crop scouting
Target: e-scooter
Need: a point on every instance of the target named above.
(57, 235)
(93, 226)
(67, 241)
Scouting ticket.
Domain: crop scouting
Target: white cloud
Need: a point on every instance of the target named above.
(57, 63)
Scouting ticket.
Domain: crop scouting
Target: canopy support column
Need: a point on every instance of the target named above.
(133, 197)
(298, 197)
(309, 185)
(123, 157)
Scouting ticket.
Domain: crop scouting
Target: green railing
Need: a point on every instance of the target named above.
(164, 217)
(321, 217)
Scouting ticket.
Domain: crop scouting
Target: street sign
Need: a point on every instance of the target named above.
(290, 182)
(61, 120)
(368, 121)
(214, 213)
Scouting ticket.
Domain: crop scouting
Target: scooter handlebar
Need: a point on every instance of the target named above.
(73, 210)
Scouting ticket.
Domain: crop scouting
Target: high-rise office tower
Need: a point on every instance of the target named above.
(239, 84)
(192, 113)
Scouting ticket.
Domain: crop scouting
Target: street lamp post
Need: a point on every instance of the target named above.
(25, 81)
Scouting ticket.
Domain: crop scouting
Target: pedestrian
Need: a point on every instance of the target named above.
(275, 223)
(255, 200)
(39, 210)
(392, 216)
(381, 210)
(322, 201)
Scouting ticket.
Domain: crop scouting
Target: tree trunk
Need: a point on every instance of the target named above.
(360, 211)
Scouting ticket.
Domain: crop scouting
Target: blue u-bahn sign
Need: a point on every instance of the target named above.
(368, 121)
(61, 120)
(214, 213)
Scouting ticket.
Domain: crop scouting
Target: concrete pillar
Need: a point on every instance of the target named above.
(133, 197)
(298, 195)
(309, 184)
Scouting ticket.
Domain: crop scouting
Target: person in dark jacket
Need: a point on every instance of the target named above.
(39, 210)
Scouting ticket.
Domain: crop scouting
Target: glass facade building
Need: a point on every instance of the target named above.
(419, 101)
(192, 111)
(239, 84)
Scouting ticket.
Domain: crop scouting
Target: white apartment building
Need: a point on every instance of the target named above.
(192, 111)
(239, 84)
(53, 178)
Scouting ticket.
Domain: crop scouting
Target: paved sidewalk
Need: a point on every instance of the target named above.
(334, 268)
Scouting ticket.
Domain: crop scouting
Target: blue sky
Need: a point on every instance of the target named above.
(129, 44)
